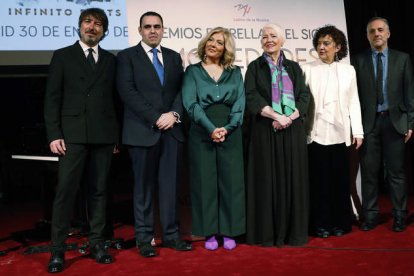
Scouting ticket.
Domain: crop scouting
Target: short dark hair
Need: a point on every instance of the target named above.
(96, 13)
(338, 37)
(150, 13)
(378, 18)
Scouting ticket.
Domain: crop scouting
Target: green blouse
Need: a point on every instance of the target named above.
(200, 91)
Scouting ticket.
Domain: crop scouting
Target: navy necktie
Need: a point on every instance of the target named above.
(380, 69)
(90, 58)
(157, 65)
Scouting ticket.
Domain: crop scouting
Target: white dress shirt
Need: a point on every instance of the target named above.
(148, 49)
(85, 49)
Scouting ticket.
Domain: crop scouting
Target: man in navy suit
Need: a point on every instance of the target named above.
(149, 80)
(82, 128)
(386, 93)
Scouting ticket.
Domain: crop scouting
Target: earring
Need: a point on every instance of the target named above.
(336, 56)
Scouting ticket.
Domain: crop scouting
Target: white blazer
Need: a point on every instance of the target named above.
(350, 109)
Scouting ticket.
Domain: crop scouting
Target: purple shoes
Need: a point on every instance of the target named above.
(212, 244)
(229, 243)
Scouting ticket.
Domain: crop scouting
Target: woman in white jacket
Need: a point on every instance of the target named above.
(334, 123)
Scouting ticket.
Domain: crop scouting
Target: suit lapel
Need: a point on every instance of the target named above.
(143, 57)
(79, 55)
(91, 74)
(101, 64)
(391, 64)
(370, 67)
(367, 67)
(167, 63)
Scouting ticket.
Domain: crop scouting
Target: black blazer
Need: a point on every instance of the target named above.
(79, 101)
(258, 85)
(400, 87)
(144, 98)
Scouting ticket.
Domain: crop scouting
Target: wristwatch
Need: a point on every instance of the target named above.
(177, 117)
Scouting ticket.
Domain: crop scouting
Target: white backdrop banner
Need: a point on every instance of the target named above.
(46, 25)
(187, 21)
(51, 24)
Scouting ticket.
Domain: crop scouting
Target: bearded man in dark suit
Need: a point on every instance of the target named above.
(149, 79)
(386, 93)
(82, 129)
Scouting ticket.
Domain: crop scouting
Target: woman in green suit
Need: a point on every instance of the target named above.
(213, 95)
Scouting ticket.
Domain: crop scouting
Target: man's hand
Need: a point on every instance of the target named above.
(166, 121)
(58, 147)
(116, 149)
(408, 135)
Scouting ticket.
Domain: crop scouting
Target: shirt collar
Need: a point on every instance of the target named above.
(148, 48)
(86, 47)
(375, 52)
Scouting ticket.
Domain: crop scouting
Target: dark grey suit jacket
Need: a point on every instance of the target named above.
(400, 89)
(144, 98)
(79, 101)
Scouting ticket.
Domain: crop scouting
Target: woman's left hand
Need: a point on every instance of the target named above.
(294, 115)
(282, 122)
(277, 126)
(357, 142)
(219, 135)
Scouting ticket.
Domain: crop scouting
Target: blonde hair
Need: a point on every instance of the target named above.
(229, 54)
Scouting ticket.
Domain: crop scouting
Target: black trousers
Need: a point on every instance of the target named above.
(330, 196)
(94, 162)
(383, 143)
(157, 165)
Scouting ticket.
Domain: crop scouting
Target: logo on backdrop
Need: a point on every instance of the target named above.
(244, 8)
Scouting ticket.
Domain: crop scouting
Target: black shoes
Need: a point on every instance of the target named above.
(335, 231)
(398, 224)
(101, 254)
(177, 244)
(146, 249)
(322, 233)
(369, 225)
(57, 261)
(338, 232)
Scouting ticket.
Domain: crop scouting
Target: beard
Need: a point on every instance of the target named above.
(90, 40)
